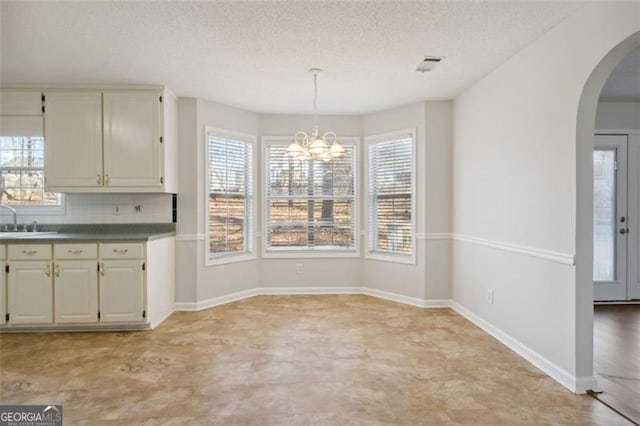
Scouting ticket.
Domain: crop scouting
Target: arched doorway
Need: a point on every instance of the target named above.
(584, 202)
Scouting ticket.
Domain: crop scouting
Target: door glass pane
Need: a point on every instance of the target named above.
(604, 215)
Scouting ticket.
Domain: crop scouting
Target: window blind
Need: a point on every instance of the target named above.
(310, 204)
(230, 200)
(390, 181)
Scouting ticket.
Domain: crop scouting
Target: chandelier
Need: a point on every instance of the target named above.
(314, 146)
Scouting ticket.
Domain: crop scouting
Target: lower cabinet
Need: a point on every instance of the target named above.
(30, 292)
(122, 291)
(76, 291)
(88, 285)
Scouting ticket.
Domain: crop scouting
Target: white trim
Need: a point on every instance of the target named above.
(230, 258)
(318, 253)
(291, 291)
(216, 301)
(303, 252)
(617, 132)
(370, 252)
(421, 236)
(552, 256)
(583, 384)
(438, 236)
(154, 324)
(566, 379)
(250, 240)
(406, 300)
(272, 291)
(190, 237)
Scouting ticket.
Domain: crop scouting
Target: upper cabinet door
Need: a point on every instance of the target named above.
(132, 154)
(20, 102)
(73, 139)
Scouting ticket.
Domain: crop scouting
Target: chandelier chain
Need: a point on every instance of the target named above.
(315, 98)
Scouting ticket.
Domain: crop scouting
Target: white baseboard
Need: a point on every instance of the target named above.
(407, 300)
(583, 384)
(159, 321)
(216, 301)
(560, 375)
(272, 291)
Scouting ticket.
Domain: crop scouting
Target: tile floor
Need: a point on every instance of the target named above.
(291, 360)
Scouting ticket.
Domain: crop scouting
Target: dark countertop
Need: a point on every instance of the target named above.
(94, 233)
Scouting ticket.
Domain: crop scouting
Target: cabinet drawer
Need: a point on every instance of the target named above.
(29, 251)
(121, 251)
(75, 251)
(3, 252)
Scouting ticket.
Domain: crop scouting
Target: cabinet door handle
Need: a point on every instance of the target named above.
(57, 269)
(102, 269)
(99, 179)
(107, 179)
(120, 251)
(47, 271)
(76, 251)
(29, 252)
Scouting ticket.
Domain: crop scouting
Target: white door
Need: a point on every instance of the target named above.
(121, 291)
(633, 236)
(132, 139)
(616, 218)
(30, 292)
(76, 291)
(73, 139)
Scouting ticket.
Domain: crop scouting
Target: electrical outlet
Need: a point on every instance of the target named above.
(117, 209)
(299, 268)
(490, 296)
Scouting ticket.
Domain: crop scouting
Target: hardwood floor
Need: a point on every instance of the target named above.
(291, 360)
(616, 341)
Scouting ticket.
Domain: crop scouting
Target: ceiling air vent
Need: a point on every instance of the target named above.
(429, 63)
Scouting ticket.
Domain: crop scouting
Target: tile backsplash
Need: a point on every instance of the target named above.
(106, 208)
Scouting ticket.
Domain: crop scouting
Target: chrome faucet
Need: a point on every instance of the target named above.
(15, 215)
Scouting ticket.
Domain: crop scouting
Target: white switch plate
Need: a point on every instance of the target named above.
(299, 268)
(490, 296)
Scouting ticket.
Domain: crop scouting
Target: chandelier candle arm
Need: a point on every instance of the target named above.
(314, 146)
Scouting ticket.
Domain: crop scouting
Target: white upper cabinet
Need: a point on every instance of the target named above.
(132, 155)
(73, 139)
(112, 140)
(20, 102)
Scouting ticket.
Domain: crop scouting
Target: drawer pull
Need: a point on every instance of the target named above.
(29, 252)
(76, 251)
(102, 269)
(99, 179)
(121, 251)
(57, 270)
(47, 271)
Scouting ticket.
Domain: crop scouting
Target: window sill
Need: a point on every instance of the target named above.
(407, 260)
(310, 254)
(231, 258)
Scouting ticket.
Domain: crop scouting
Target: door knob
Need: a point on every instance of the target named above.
(624, 231)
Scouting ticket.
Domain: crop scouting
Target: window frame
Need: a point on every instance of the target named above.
(306, 252)
(33, 209)
(372, 252)
(250, 240)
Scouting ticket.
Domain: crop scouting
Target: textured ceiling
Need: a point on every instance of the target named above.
(624, 82)
(255, 55)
